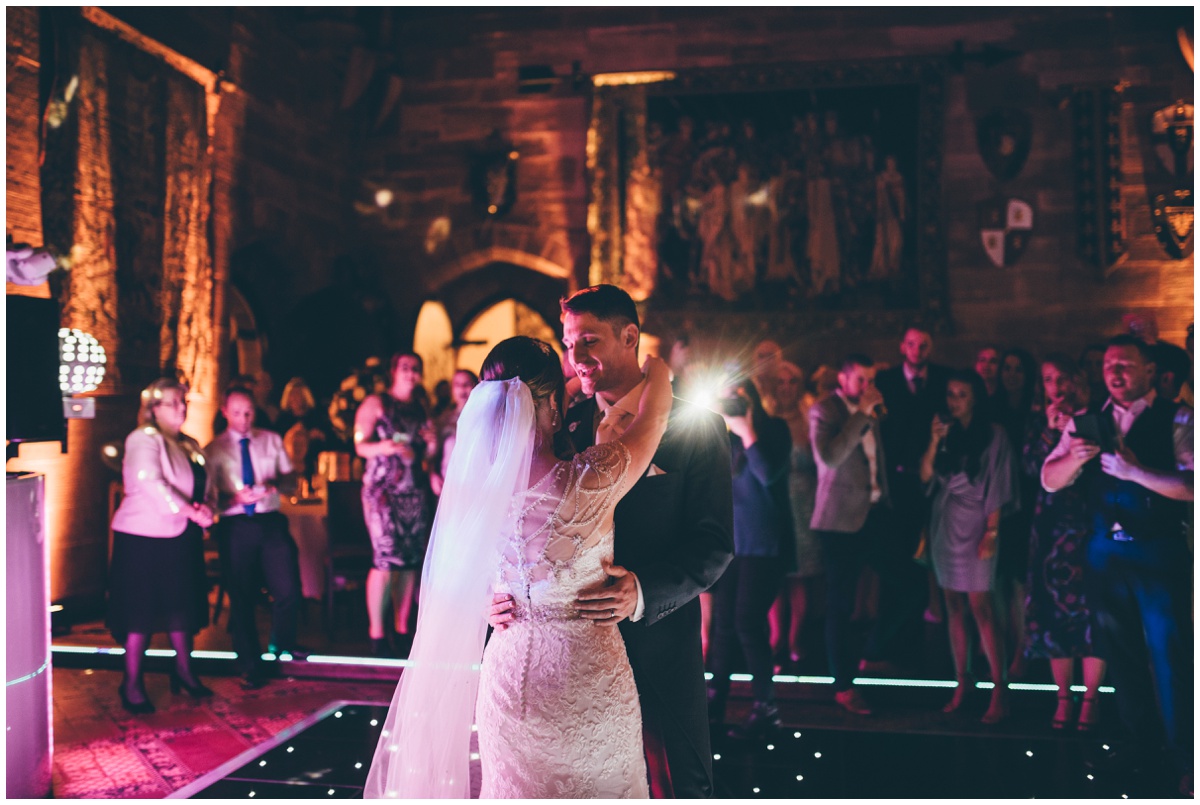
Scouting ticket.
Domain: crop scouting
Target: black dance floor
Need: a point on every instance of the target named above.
(910, 751)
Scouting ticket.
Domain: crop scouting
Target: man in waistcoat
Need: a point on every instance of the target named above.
(1139, 573)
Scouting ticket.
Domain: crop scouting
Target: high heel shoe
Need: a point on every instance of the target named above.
(1062, 716)
(197, 691)
(137, 708)
(1089, 713)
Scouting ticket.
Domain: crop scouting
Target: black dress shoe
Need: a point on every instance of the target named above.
(763, 721)
(381, 649)
(253, 680)
(196, 691)
(137, 708)
(296, 651)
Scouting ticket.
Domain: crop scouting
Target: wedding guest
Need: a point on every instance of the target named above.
(768, 356)
(968, 465)
(1058, 621)
(447, 426)
(760, 450)
(851, 508)
(987, 366)
(442, 399)
(262, 417)
(302, 425)
(393, 433)
(801, 586)
(912, 392)
(824, 382)
(1140, 494)
(1173, 369)
(157, 579)
(1014, 409)
(249, 469)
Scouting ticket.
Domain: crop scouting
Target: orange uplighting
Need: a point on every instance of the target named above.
(630, 79)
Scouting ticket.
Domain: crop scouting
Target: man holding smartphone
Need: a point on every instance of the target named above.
(852, 496)
(1140, 574)
(249, 467)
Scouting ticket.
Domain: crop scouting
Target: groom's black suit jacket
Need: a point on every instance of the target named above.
(675, 532)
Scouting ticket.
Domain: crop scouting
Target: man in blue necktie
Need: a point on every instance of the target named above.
(249, 467)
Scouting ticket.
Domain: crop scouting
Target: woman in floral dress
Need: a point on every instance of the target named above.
(1058, 624)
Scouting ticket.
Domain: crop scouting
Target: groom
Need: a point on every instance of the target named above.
(674, 537)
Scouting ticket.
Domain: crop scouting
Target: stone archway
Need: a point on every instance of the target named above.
(246, 347)
(483, 279)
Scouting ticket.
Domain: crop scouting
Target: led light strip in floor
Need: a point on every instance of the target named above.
(783, 679)
(908, 683)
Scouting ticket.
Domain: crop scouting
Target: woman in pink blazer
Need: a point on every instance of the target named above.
(157, 581)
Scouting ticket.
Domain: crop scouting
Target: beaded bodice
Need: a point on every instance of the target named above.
(563, 528)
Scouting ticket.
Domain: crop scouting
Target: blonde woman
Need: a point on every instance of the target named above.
(157, 581)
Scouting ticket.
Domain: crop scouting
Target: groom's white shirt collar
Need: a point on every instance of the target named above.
(627, 405)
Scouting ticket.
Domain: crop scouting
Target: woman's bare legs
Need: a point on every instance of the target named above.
(987, 619)
(404, 594)
(1063, 671)
(779, 612)
(1016, 628)
(379, 583)
(1093, 675)
(798, 594)
(960, 646)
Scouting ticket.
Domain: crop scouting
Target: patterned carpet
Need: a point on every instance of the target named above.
(100, 751)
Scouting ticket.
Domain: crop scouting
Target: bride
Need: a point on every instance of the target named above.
(555, 700)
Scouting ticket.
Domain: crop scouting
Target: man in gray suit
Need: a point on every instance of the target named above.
(852, 494)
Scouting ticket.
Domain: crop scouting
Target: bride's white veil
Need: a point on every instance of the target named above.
(424, 750)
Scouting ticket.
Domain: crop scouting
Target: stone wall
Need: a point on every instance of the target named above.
(281, 167)
(460, 72)
(23, 203)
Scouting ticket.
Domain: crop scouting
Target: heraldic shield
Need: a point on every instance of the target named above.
(1004, 137)
(1004, 228)
(1174, 221)
(1172, 133)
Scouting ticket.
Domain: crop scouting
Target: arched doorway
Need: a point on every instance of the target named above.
(433, 340)
(486, 302)
(246, 344)
(502, 320)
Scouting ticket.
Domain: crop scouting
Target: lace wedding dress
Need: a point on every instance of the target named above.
(558, 710)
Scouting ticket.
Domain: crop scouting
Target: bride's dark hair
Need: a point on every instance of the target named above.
(531, 360)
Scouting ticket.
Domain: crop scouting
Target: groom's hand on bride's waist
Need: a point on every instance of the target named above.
(611, 601)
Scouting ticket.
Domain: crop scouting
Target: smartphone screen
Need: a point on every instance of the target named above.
(1095, 429)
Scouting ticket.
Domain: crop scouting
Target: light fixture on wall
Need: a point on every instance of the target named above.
(80, 369)
(631, 78)
(494, 176)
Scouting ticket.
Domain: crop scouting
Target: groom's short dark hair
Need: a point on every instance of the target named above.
(606, 302)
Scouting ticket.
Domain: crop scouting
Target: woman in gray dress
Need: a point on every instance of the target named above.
(968, 466)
